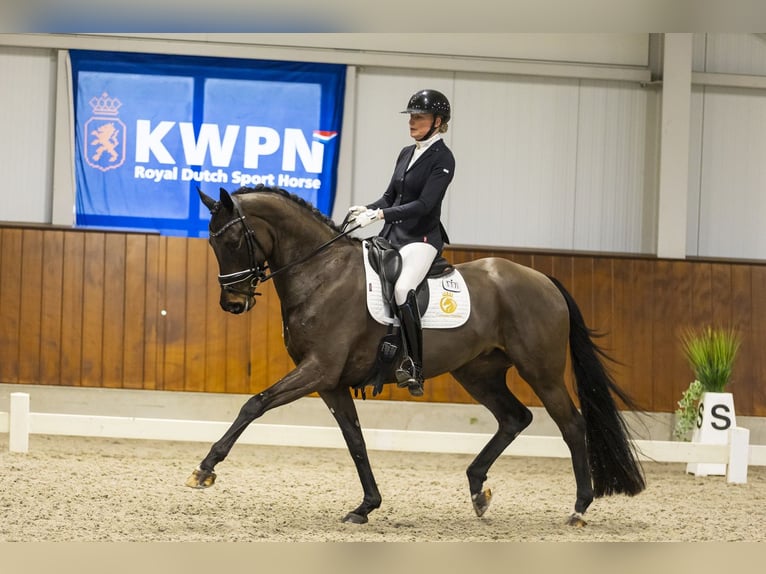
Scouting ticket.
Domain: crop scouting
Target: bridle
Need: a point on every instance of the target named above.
(257, 271)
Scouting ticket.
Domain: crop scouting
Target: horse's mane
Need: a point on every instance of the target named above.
(260, 188)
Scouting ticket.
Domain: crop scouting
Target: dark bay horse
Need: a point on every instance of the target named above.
(519, 318)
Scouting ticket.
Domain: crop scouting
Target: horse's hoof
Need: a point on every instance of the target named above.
(201, 479)
(354, 518)
(481, 501)
(576, 520)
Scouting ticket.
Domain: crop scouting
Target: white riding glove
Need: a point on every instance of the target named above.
(369, 216)
(355, 210)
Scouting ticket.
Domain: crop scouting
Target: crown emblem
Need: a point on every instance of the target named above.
(105, 105)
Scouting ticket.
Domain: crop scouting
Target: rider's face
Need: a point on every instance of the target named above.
(420, 124)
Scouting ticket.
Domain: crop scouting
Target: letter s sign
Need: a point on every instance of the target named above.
(716, 413)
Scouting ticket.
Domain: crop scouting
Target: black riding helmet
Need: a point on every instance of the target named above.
(429, 102)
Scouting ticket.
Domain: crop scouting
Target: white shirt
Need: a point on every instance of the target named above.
(421, 147)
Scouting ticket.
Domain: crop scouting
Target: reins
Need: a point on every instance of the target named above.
(257, 274)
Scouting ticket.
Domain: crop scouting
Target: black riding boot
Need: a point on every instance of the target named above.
(410, 372)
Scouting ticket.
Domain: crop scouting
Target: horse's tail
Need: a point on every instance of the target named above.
(614, 465)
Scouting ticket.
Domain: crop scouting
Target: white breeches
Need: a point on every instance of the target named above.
(416, 261)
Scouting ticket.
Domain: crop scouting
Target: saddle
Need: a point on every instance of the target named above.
(386, 261)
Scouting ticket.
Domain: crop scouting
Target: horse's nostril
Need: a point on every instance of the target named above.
(233, 307)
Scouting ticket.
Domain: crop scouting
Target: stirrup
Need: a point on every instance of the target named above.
(408, 375)
(405, 374)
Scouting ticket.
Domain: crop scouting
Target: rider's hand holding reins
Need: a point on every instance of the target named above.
(369, 216)
(355, 210)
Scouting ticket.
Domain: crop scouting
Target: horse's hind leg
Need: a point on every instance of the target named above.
(484, 379)
(558, 403)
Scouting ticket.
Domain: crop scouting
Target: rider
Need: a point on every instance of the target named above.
(411, 208)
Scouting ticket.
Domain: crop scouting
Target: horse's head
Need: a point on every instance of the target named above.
(241, 260)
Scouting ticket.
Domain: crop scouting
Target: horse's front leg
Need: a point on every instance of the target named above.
(297, 383)
(342, 407)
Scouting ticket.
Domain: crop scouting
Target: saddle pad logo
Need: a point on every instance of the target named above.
(449, 284)
(448, 304)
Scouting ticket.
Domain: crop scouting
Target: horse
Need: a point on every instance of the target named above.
(519, 318)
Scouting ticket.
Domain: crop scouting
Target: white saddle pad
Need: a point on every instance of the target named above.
(449, 304)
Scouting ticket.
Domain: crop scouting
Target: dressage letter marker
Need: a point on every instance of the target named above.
(716, 417)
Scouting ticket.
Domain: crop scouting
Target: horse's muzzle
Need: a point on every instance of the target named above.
(236, 305)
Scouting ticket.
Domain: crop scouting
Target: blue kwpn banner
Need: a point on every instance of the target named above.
(150, 129)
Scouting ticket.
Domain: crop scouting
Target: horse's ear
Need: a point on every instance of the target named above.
(226, 200)
(206, 199)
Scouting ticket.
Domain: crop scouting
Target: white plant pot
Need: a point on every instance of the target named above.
(715, 418)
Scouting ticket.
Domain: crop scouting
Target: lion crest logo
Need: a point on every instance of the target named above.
(104, 134)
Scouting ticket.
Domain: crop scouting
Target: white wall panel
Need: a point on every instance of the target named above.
(515, 142)
(732, 201)
(610, 206)
(727, 177)
(699, 47)
(730, 53)
(26, 122)
(695, 170)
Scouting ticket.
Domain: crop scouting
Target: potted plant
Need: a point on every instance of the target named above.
(706, 408)
(711, 354)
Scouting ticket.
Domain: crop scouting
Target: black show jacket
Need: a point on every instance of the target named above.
(412, 202)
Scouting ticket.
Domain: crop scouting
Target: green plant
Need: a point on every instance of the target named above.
(686, 413)
(711, 353)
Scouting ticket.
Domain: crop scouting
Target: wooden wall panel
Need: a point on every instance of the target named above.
(93, 311)
(113, 351)
(29, 306)
(10, 298)
(238, 348)
(84, 308)
(621, 325)
(72, 302)
(195, 358)
(756, 352)
(701, 299)
(743, 375)
(51, 310)
(639, 358)
(134, 314)
(672, 311)
(215, 329)
(173, 339)
(721, 293)
(581, 287)
(153, 276)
